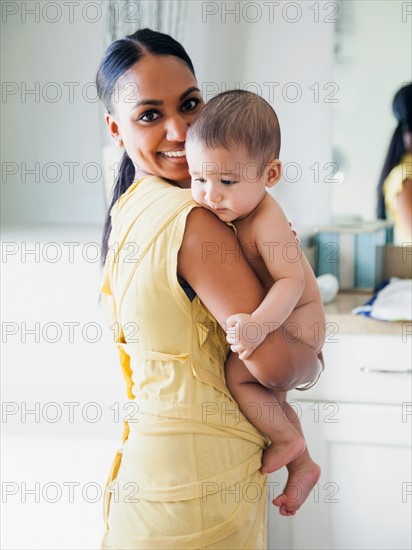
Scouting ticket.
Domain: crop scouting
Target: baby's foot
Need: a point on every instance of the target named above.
(278, 454)
(300, 482)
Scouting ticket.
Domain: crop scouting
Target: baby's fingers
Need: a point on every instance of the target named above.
(232, 321)
(231, 338)
(232, 333)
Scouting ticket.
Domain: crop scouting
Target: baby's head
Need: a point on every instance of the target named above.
(232, 150)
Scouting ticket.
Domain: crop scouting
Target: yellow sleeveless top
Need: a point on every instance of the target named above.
(392, 186)
(188, 473)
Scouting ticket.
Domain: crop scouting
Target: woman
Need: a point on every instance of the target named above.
(188, 475)
(395, 184)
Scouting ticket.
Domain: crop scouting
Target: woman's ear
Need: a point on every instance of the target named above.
(273, 172)
(113, 129)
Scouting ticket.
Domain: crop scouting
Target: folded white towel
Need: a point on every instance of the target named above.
(394, 301)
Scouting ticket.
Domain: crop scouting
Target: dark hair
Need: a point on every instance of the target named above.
(118, 58)
(402, 109)
(248, 121)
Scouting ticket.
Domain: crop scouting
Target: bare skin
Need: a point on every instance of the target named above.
(287, 442)
(226, 283)
(287, 438)
(304, 473)
(288, 445)
(404, 198)
(261, 407)
(404, 204)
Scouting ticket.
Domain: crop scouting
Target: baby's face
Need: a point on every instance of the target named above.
(225, 181)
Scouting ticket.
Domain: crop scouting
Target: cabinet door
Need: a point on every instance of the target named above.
(363, 498)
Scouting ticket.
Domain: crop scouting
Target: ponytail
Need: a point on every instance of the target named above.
(393, 158)
(124, 180)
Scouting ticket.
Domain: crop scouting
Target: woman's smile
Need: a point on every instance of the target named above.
(177, 156)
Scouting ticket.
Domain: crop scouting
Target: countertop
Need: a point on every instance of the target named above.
(339, 312)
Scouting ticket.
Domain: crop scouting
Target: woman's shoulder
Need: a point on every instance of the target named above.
(152, 193)
(394, 181)
(403, 168)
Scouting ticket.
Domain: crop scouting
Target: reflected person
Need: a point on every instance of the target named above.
(395, 184)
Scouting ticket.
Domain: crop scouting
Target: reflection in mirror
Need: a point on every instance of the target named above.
(372, 62)
(395, 184)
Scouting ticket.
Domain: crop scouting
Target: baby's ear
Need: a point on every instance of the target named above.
(273, 172)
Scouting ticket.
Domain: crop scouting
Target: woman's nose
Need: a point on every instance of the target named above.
(176, 129)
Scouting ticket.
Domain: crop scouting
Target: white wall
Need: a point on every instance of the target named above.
(45, 367)
(377, 62)
(37, 292)
(35, 129)
(226, 49)
(231, 50)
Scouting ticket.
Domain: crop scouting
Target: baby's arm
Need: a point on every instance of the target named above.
(282, 256)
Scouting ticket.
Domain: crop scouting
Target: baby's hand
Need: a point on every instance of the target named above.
(243, 334)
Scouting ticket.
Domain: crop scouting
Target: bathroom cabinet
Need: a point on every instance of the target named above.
(357, 422)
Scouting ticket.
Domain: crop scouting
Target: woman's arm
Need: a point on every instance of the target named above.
(404, 206)
(212, 262)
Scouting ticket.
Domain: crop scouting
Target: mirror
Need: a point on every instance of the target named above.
(372, 60)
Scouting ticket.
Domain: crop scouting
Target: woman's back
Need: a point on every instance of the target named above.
(190, 490)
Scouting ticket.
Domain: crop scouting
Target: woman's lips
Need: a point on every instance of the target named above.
(181, 159)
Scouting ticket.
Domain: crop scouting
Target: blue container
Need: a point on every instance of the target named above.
(353, 253)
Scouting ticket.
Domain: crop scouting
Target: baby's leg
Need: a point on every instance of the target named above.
(261, 408)
(307, 324)
(303, 472)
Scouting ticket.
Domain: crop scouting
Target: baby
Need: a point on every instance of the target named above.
(232, 150)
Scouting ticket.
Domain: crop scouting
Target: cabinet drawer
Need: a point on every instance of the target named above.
(364, 368)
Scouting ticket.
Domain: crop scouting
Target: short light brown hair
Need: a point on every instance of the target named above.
(242, 118)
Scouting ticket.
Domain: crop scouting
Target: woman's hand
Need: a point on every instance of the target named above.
(244, 334)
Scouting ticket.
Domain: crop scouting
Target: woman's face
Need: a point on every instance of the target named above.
(154, 103)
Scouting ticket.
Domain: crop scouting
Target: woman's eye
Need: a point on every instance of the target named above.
(149, 116)
(191, 104)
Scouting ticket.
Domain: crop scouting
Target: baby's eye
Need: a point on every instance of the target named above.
(149, 116)
(191, 104)
(200, 180)
(228, 182)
